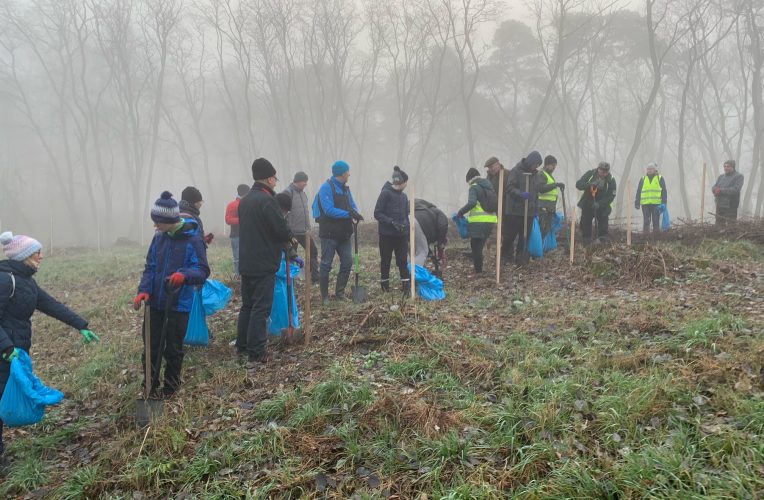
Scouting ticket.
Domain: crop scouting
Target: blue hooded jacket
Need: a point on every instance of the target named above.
(331, 208)
(183, 252)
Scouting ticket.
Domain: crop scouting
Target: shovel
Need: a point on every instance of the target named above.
(147, 408)
(359, 292)
(290, 333)
(525, 256)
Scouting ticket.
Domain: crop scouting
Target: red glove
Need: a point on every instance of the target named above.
(141, 297)
(717, 190)
(208, 239)
(177, 279)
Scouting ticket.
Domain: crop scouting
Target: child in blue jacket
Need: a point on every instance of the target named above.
(175, 263)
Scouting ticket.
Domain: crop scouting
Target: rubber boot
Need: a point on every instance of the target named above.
(342, 281)
(385, 285)
(324, 285)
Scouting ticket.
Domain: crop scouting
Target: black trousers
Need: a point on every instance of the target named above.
(513, 230)
(477, 245)
(177, 323)
(387, 246)
(726, 216)
(256, 303)
(587, 219)
(650, 214)
(314, 269)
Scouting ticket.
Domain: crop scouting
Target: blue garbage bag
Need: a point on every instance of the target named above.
(461, 226)
(25, 396)
(215, 296)
(550, 239)
(279, 318)
(665, 219)
(197, 332)
(535, 245)
(428, 286)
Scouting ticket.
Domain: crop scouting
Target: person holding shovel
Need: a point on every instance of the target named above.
(392, 213)
(264, 234)
(480, 223)
(549, 192)
(337, 214)
(20, 297)
(176, 263)
(598, 186)
(521, 206)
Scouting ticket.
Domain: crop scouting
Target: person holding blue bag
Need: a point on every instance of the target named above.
(20, 296)
(480, 222)
(176, 263)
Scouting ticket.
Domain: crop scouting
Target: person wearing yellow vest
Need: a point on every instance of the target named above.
(480, 222)
(651, 192)
(549, 192)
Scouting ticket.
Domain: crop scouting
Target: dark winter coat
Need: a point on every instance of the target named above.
(183, 252)
(605, 195)
(331, 208)
(263, 232)
(731, 185)
(514, 203)
(480, 230)
(433, 221)
(20, 296)
(392, 206)
(299, 217)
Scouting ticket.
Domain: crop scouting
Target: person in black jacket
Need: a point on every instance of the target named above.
(20, 296)
(514, 207)
(190, 208)
(598, 186)
(392, 213)
(263, 234)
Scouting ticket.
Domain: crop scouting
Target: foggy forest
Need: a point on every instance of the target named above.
(105, 103)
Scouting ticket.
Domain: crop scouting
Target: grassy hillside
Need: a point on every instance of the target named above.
(635, 372)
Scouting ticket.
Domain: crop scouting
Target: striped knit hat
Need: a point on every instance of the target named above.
(19, 247)
(165, 210)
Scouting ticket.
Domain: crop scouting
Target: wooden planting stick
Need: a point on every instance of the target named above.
(498, 228)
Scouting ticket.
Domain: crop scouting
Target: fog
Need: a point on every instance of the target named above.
(106, 103)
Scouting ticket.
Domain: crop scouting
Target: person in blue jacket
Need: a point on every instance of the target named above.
(392, 213)
(335, 211)
(175, 263)
(20, 296)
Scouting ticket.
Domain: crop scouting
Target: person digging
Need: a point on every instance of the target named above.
(598, 192)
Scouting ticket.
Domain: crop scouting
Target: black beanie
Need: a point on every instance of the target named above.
(191, 195)
(284, 201)
(550, 160)
(399, 176)
(262, 169)
(472, 173)
(242, 189)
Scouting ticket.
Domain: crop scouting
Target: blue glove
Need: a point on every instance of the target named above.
(297, 260)
(525, 195)
(10, 354)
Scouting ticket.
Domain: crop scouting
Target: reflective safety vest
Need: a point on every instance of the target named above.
(549, 195)
(652, 192)
(477, 214)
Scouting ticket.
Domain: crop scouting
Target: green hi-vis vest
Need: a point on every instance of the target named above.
(477, 214)
(651, 191)
(549, 195)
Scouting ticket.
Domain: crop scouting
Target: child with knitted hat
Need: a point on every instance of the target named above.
(20, 296)
(175, 263)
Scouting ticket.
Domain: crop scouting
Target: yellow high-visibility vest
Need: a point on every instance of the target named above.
(477, 214)
(549, 195)
(652, 192)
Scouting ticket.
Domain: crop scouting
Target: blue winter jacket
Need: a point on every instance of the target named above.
(183, 252)
(331, 208)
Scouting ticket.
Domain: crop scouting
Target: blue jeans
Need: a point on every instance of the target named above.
(235, 252)
(345, 250)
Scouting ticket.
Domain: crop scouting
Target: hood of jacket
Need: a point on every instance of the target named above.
(186, 207)
(190, 228)
(483, 183)
(389, 187)
(16, 267)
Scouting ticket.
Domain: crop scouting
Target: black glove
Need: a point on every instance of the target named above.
(636, 205)
(399, 227)
(561, 185)
(355, 215)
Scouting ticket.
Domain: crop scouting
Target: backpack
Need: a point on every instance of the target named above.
(488, 199)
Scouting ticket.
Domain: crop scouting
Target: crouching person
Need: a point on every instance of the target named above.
(175, 263)
(20, 296)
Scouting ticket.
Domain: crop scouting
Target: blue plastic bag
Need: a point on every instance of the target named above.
(279, 318)
(197, 332)
(428, 286)
(535, 245)
(25, 396)
(665, 219)
(215, 296)
(550, 239)
(461, 226)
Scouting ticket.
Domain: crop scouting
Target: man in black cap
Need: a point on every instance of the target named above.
(263, 234)
(598, 186)
(299, 219)
(190, 208)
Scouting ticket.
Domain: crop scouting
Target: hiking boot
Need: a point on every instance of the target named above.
(385, 285)
(342, 281)
(324, 285)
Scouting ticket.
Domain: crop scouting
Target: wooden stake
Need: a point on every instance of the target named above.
(50, 251)
(628, 213)
(498, 227)
(703, 194)
(412, 240)
(308, 286)
(573, 235)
